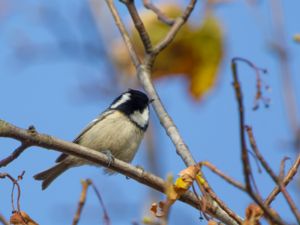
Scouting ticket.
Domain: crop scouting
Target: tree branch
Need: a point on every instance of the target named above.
(264, 163)
(148, 179)
(288, 178)
(3, 220)
(139, 25)
(85, 184)
(134, 57)
(16, 153)
(144, 74)
(160, 15)
(244, 152)
(222, 175)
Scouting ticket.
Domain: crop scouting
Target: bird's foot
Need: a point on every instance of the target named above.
(109, 156)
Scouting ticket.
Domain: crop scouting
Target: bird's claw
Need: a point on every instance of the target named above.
(109, 156)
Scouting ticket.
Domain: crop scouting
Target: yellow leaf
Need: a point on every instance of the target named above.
(195, 53)
(297, 38)
(173, 191)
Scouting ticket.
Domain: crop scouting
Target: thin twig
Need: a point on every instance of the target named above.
(105, 213)
(179, 22)
(258, 70)
(3, 220)
(282, 168)
(239, 98)
(15, 183)
(82, 199)
(210, 194)
(264, 163)
(222, 175)
(139, 25)
(16, 153)
(288, 178)
(245, 158)
(202, 212)
(160, 15)
(134, 57)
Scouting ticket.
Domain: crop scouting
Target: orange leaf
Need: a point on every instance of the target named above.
(21, 218)
(253, 215)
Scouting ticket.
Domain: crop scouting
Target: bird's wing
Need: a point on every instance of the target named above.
(89, 126)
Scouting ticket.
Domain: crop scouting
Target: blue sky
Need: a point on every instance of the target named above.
(49, 92)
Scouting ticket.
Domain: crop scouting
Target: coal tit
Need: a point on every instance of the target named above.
(117, 131)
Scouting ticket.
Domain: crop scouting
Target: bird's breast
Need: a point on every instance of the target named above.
(115, 133)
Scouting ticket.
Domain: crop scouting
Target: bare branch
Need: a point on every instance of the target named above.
(49, 142)
(222, 175)
(264, 163)
(82, 199)
(239, 98)
(181, 148)
(160, 15)
(139, 25)
(292, 172)
(143, 74)
(245, 158)
(209, 194)
(148, 179)
(3, 220)
(16, 153)
(282, 168)
(165, 120)
(178, 23)
(134, 57)
(105, 214)
(15, 183)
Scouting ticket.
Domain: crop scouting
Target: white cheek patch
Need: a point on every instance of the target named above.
(139, 118)
(123, 99)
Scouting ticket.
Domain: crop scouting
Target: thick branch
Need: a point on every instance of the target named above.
(49, 142)
(143, 73)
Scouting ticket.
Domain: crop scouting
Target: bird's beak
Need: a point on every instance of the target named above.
(151, 100)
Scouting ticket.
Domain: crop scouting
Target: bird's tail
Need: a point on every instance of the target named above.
(49, 175)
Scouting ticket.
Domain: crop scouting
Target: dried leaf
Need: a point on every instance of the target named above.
(21, 218)
(189, 174)
(253, 215)
(175, 190)
(158, 209)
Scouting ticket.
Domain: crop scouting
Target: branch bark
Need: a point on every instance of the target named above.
(144, 76)
(141, 176)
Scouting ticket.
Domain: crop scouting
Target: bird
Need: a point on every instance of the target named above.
(117, 132)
